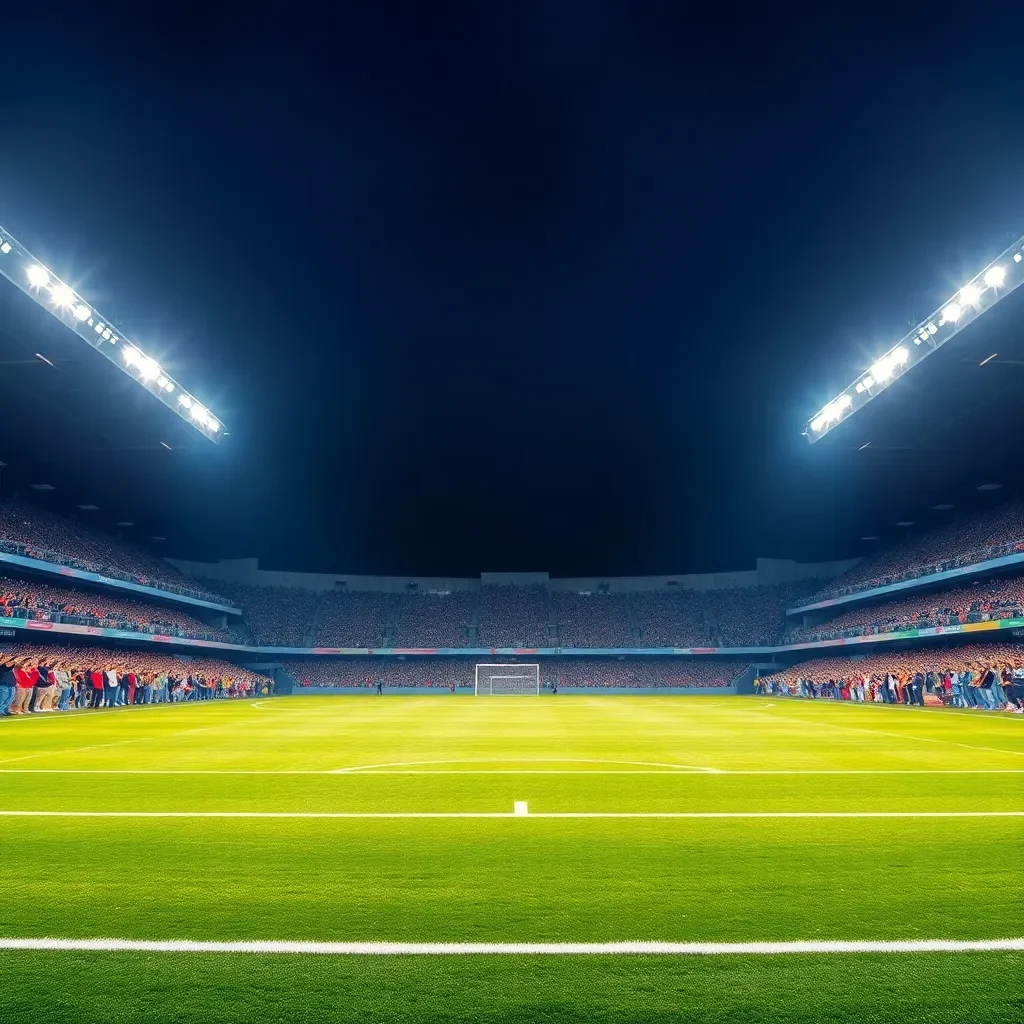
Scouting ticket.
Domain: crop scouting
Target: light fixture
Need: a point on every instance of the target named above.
(1016, 257)
(61, 295)
(184, 401)
(952, 313)
(33, 278)
(148, 368)
(995, 276)
(969, 294)
(37, 276)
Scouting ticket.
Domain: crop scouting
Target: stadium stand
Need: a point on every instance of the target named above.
(35, 533)
(966, 541)
(593, 620)
(447, 673)
(713, 618)
(357, 618)
(39, 680)
(434, 620)
(44, 602)
(275, 616)
(984, 676)
(514, 617)
(972, 602)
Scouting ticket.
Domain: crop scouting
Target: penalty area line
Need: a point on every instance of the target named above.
(629, 948)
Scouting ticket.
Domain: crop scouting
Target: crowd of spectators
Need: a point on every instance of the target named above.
(356, 618)
(514, 617)
(736, 616)
(982, 676)
(592, 620)
(459, 673)
(29, 599)
(434, 620)
(35, 533)
(46, 679)
(965, 541)
(971, 602)
(274, 616)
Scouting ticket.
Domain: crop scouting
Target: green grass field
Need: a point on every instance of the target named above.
(506, 879)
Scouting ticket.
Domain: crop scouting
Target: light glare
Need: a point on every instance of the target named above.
(82, 313)
(37, 276)
(995, 276)
(969, 294)
(952, 313)
(62, 295)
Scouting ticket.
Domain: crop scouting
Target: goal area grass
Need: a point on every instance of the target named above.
(359, 820)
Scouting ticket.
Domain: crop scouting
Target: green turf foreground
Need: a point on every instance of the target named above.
(79, 988)
(94, 868)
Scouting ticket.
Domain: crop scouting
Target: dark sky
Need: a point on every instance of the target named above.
(543, 285)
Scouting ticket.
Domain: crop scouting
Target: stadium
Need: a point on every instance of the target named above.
(785, 783)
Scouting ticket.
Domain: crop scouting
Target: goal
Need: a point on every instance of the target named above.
(507, 680)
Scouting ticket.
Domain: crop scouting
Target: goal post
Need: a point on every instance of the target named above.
(507, 680)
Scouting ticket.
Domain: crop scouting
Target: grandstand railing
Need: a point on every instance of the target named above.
(57, 563)
(994, 556)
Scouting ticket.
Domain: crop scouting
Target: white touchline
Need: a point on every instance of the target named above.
(694, 773)
(638, 947)
(510, 814)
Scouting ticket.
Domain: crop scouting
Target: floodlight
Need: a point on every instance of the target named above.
(995, 276)
(969, 294)
(61, 295)
(148, 368)
(46, 289)
(882, 370)
(37, 276)
(952, 313)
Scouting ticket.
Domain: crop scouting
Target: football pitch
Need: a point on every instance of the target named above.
(327, 826)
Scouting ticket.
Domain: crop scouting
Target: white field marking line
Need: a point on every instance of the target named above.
(678, 768)
(898, 735)
(895, 708)
(120, 743)
(695, 815)
(634, 948)
(512, 771)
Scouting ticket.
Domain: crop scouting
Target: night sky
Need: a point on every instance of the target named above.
(533, 286)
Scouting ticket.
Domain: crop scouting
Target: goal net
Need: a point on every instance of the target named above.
(506, 680)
